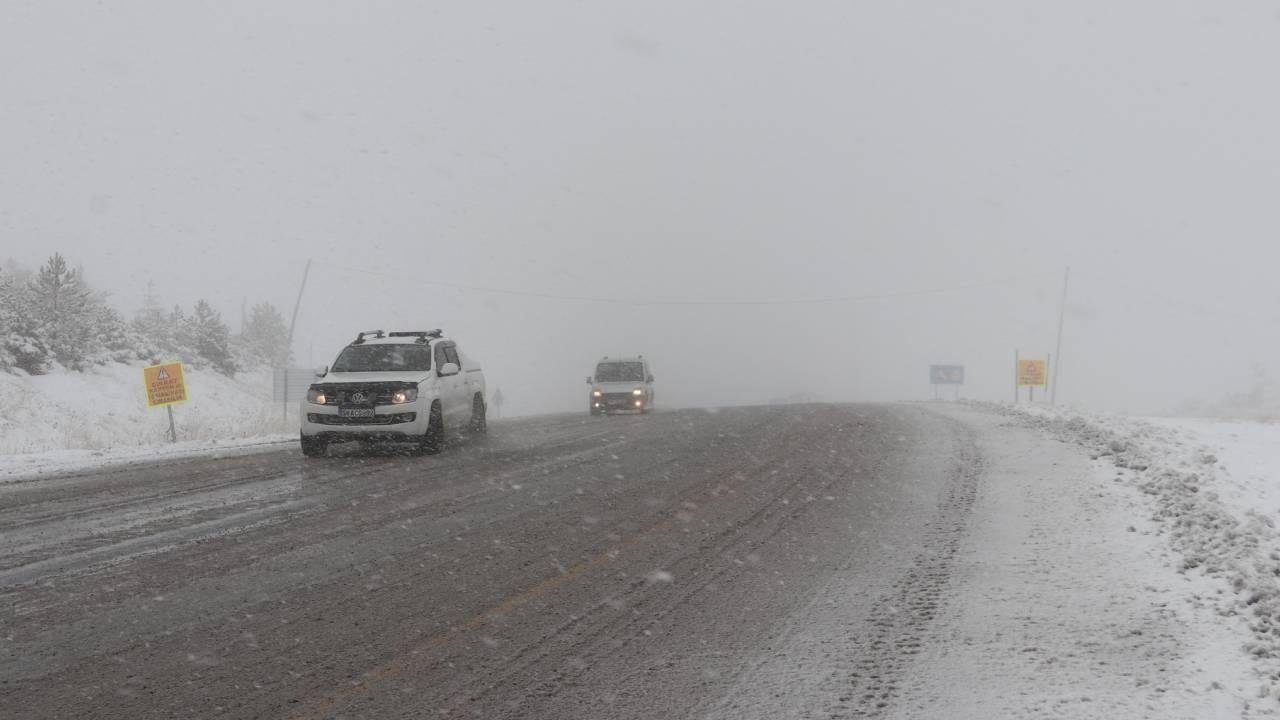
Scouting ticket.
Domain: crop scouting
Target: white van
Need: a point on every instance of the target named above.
(621, 384)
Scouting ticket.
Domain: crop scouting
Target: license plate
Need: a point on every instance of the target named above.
(355, 412)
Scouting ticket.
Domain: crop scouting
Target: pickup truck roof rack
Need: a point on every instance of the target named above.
(375, 334)
(422, 335)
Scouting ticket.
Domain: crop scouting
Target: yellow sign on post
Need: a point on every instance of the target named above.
(1032, 373)
(165, 384)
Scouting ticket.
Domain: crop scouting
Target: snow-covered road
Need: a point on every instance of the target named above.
(940, 561)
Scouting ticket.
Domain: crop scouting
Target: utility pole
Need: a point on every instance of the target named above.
(293, 321)
(1057, 352)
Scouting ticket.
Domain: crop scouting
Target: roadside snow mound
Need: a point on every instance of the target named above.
(104, 408)
(1182, 477)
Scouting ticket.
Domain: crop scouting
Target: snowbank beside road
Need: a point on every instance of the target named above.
(1248, 460)
(1065, 601)
(30, 466)
(104, 409)
(1220, 521)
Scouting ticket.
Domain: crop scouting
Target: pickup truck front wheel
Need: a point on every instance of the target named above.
(313, 446)
(433, 439)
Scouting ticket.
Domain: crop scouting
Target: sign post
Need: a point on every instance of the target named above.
(166, 386)
(1032, 373)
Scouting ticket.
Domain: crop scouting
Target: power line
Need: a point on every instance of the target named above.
(641, 302)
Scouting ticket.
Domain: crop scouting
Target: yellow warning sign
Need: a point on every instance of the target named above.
(165, 384)
(1031, 373)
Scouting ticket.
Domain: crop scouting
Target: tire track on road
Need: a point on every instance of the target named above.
(900, 621)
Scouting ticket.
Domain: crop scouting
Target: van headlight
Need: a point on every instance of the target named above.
(316, 396)
(400, 397)
(637, 391)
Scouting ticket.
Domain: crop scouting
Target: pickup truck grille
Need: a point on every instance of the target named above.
(361, 394)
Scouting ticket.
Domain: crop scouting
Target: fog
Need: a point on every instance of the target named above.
(765, 199)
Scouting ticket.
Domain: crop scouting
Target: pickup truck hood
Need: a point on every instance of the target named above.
(368, 377)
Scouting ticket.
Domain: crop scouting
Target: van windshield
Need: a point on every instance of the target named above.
(383, 358)
(620, 372)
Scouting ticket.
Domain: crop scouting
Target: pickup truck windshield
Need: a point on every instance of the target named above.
(620, 372)
(383, 358)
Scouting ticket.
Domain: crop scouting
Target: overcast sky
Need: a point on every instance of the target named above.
(675, 151)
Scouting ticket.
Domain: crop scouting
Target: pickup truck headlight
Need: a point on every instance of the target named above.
(596, 393)
(407, 395)
(637, 392)
(316, 396)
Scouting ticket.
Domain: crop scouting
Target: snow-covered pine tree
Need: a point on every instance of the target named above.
(150, 318)
(62, 306)
(180, 338)
(112, 339)
(265, 336)
(20, 343)
(212, 338)
(150, 328)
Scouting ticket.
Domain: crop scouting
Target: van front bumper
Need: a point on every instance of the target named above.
(618, 401)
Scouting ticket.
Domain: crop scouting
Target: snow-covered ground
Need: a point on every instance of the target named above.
(1090, 582)
(1067, 590)
(65, 421)
(26, 466)
(1210, 492)
(1247, 458)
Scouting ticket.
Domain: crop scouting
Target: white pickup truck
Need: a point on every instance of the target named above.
(396, 387)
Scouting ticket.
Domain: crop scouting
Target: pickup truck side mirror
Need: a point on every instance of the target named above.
(650, 379)
(449, 369)
(589, 380)
(321, 372)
